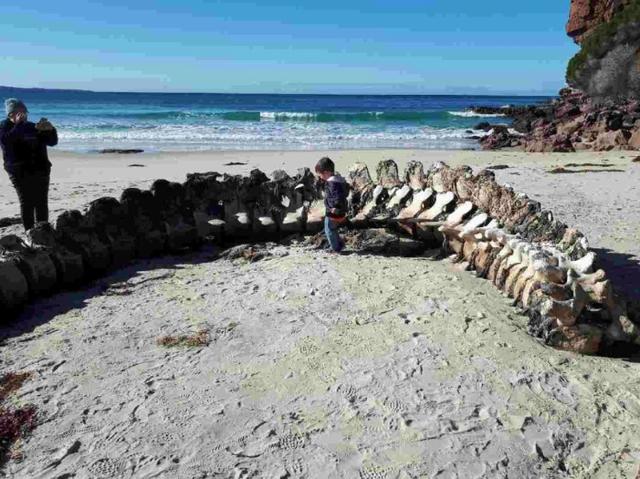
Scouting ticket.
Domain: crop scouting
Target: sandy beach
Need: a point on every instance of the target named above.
(357, 366)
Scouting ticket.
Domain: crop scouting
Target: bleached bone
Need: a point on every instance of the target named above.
(565, 312)
(505, 252)
(442, 201)
(516, 270)
(400, 195)
(474, 223)
(417, 205)
(379, 195)
(515, 258)
(544, 274)
(584, 265)
(597, 287)
(315, 216)
(294, 221)
(459, 214)
(520, 283)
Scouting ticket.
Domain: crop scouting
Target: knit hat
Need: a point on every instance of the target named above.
(13, 104)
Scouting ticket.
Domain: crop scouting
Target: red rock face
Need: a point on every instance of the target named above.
(588, 14)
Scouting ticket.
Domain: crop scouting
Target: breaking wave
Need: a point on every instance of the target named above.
(473, 114)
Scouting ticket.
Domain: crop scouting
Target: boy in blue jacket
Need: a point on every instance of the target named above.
(335, 202)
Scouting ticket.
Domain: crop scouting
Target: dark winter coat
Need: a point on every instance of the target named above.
(24, 148)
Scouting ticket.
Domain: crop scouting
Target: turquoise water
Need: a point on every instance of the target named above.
(90, 121)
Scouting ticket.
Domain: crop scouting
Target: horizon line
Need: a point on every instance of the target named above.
(138, 92)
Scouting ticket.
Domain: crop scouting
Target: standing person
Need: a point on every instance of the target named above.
(335, 202)
(24, 149)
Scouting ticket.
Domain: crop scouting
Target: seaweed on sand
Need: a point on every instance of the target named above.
(15, 423)
(198, 339)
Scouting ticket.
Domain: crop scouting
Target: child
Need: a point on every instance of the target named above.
(335, 202)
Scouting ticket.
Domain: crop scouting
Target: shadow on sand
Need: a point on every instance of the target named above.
(623, 269)
(42, 310)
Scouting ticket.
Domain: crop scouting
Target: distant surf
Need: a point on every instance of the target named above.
(90, 121)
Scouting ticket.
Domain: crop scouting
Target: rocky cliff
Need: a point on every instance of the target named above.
(608, 64)
(602, 110)
(585, 15)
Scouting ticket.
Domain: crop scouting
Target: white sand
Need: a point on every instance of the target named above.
(322, 366)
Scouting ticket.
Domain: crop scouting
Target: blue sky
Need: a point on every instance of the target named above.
(287, 46)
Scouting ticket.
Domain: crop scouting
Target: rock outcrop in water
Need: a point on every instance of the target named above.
(544, 266)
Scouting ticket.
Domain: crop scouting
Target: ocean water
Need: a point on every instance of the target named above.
(89, 121)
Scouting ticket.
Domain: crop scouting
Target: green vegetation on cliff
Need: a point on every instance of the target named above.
(598, 42)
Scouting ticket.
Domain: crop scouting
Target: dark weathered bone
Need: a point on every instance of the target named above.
(35, 264)
(75, 234)
(107, 217)
(202, 191)
(146, 224)
(414, 175)
(14, 289)
(387, 172)
(69, 265)
(177, 215)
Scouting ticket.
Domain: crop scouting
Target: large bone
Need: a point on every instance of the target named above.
(35, 264)
(442, 201)
(142, 215)
(315, 216)
(474, 223)
(580, 338)
(387, 172)
(14, 289)
(176, 214)
(68, 264)
(76, 235)
(399, 197)
(292, 213)
(414, 175)
(107, 217)
(418, 204)
(459, 214)
(378, 197)
(202, 190)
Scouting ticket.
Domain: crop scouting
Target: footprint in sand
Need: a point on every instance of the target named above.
(106, 468)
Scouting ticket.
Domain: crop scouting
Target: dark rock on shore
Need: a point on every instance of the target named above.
(572, 122)
(499, 137)
(121, 151)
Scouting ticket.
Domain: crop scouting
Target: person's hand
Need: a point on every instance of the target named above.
(44, 125)
(20, 117)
